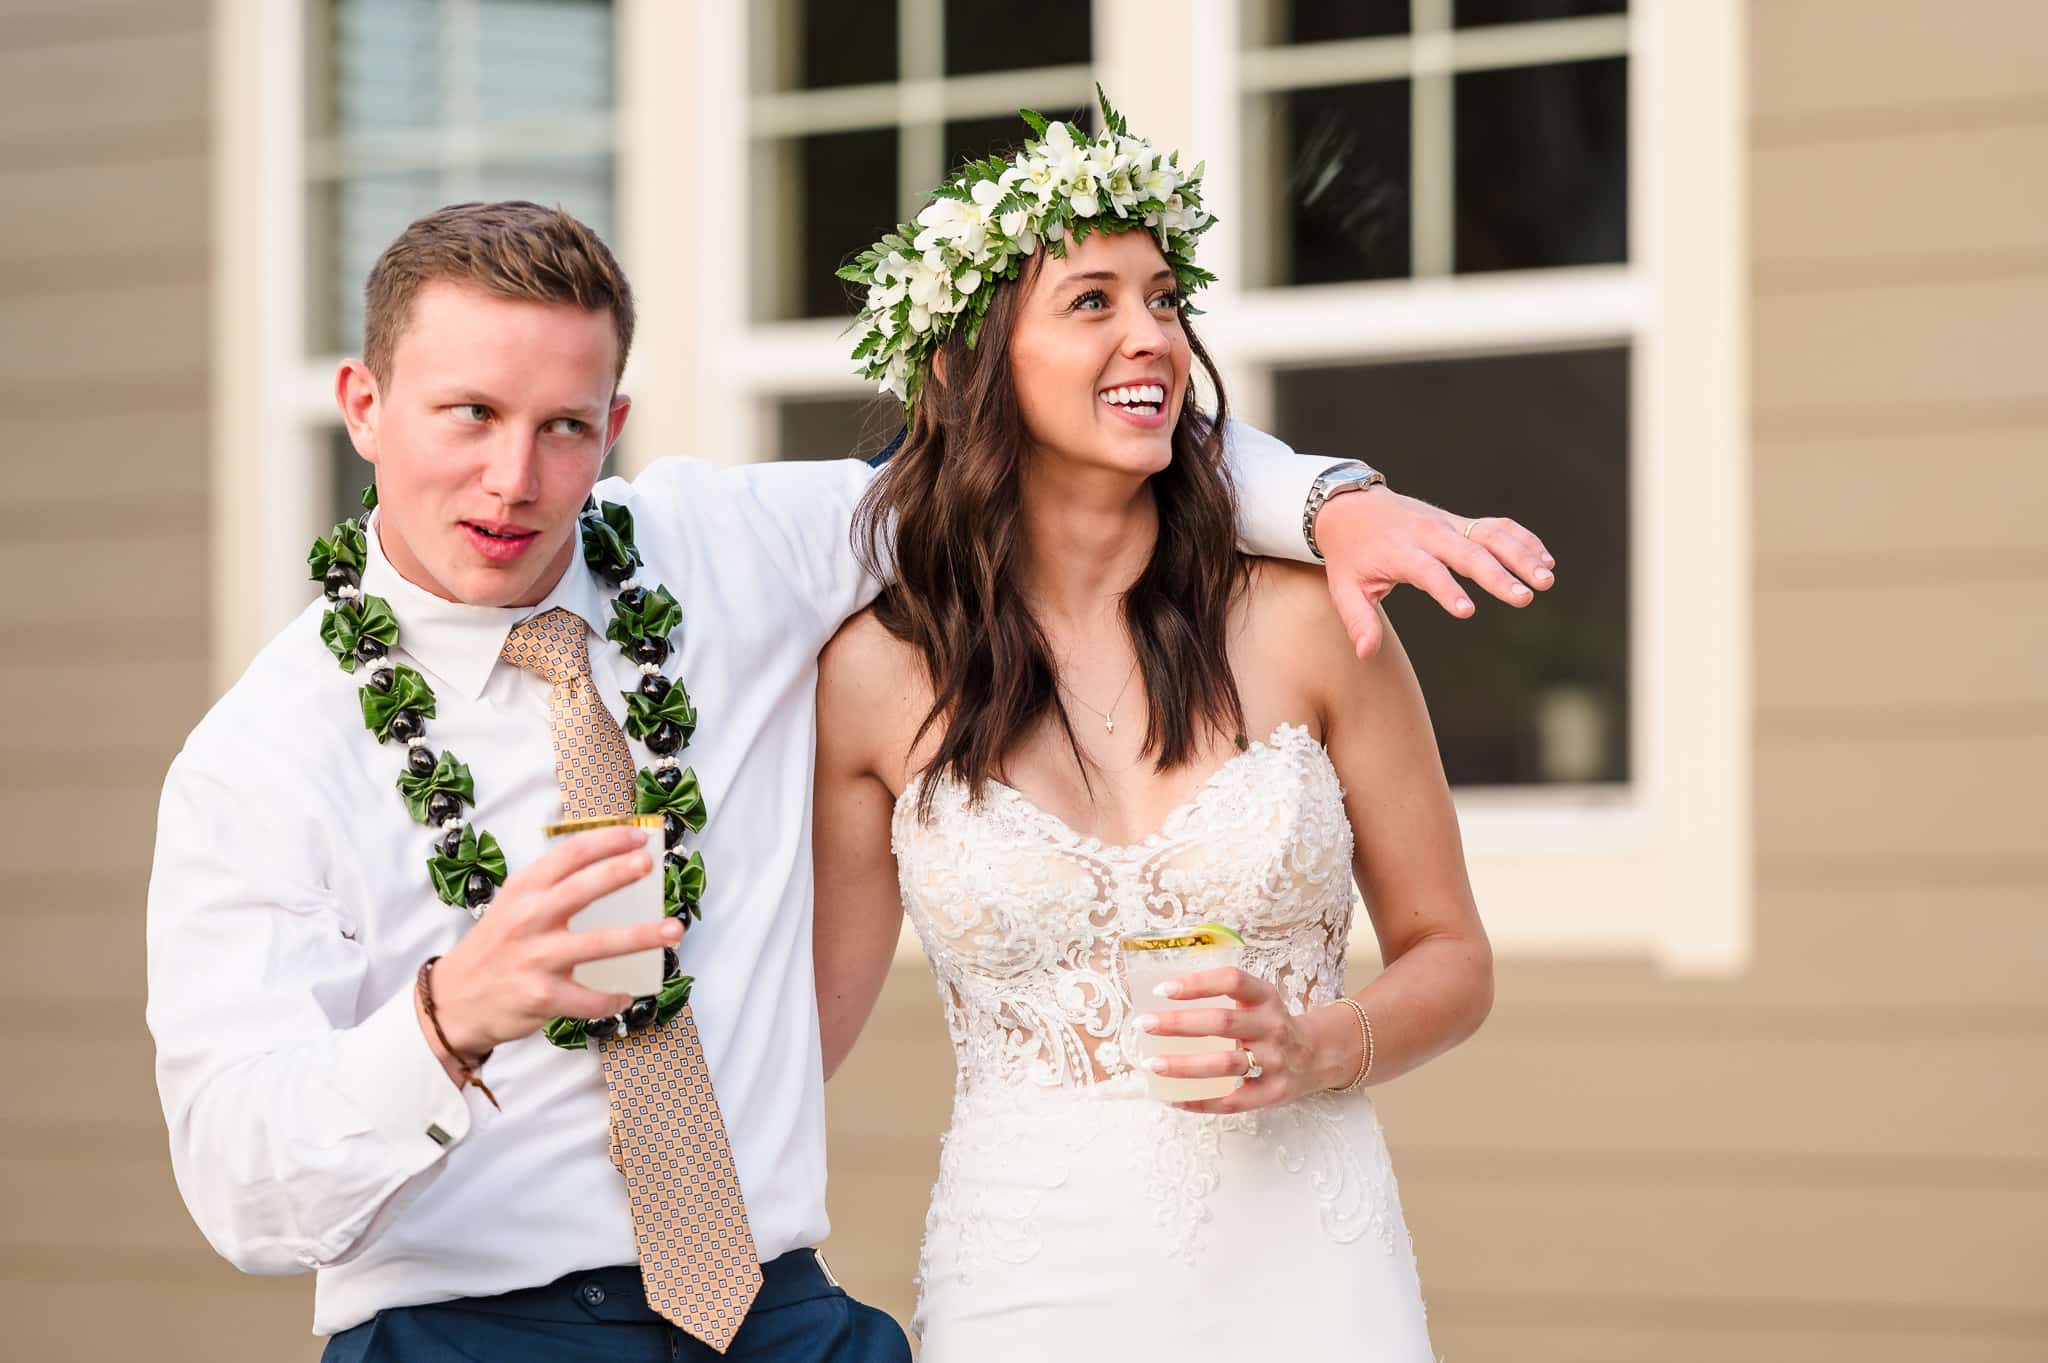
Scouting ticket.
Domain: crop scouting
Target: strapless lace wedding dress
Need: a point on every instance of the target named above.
(1073, 1214)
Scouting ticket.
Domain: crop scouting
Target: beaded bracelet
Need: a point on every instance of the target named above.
(1364, 1044)
(425, 984)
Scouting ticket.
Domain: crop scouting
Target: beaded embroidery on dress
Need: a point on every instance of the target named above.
(1069, 1200)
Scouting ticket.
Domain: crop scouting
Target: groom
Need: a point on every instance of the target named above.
(350, 1050)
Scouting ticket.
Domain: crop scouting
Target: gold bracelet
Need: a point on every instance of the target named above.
(1365, 1046)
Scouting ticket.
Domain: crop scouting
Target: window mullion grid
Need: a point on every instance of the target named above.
(462, 115)
(920, 106)
(1432, 217)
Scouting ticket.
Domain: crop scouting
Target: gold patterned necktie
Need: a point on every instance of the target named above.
(697, 1255)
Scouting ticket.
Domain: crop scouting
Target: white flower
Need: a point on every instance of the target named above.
(1063, 159)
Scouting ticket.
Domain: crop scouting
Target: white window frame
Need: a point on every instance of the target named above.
(1658, 869)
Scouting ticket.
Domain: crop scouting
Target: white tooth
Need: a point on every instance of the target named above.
(1123, 395)
(1157, 393)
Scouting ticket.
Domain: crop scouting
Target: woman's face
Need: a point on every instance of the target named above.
(1098, 355)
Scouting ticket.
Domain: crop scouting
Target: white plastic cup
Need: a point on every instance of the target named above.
(637, 973)
(1151, 959)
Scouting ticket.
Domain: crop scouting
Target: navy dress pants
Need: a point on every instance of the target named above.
(602, 1316)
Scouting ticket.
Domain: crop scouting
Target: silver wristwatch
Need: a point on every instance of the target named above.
(1350, 476)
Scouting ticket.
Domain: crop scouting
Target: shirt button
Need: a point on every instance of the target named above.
(593, 1294)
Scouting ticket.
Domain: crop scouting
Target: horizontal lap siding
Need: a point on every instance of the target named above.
(104, 553)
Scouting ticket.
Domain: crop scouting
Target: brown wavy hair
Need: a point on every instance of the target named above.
(943, 525)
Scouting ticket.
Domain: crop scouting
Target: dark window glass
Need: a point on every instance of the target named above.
(977, 138)
(845, 44)
(827, 197)
(1270, 22)
(995, 35)
(348, 474)
(1518, 697)
(1337, 170)
(834, 428)
(1542, 166)
(1473, 13)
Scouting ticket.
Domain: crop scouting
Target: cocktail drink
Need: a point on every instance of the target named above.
(638, 901)
(1153, 958)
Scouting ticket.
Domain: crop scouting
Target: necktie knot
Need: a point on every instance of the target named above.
(554, 644)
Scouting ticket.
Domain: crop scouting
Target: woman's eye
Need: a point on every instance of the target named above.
(1092, 301)
(1169, 300)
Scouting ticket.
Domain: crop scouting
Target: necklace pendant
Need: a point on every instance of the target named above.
(1109, 724)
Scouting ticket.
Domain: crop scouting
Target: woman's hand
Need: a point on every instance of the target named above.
(1294, 1051)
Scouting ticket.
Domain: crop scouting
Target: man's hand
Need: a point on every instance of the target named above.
(511, 973)
(1374, 540)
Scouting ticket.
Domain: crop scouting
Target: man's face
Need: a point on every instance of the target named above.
(487, 434)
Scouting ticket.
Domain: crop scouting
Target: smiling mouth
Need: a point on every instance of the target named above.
(1146, 399)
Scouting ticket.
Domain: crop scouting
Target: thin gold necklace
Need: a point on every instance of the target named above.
(1108, 716)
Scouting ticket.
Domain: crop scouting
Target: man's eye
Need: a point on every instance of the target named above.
(567, 425)
(471, 411)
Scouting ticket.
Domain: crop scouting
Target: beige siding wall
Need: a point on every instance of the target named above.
(1838, 1156)
(103, 598)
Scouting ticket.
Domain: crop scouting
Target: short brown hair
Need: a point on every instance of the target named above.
(513, 249)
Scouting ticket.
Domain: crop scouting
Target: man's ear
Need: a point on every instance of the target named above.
(615, 420)
(361, 401)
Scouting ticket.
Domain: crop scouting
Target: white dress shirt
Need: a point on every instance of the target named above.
(311, 1126)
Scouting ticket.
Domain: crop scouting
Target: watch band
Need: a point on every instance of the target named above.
(1352, 475)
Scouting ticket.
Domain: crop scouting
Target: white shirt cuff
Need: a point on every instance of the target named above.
(1273, 484)
(386, 1068)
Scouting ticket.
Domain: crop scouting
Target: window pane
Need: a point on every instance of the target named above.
(352, 220)
(1542, 166)
(1518, 697)
(1473, 13)
(841, 44)
(985, 36)
(1269, 23)
(400, 64)
(825, 198)
(348, 474)
(834, 428)
(1334, 204)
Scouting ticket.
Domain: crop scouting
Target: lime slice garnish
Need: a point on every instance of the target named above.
(1228, 934)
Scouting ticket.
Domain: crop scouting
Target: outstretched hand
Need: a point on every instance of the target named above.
(1373, 541)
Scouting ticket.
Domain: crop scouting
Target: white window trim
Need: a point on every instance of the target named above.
(1661, 870)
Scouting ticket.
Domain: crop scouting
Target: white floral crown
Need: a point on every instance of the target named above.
(924, 277)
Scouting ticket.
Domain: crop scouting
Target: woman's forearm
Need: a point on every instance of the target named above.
(1427, 1001)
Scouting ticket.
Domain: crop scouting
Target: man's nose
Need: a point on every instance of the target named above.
(512, 471)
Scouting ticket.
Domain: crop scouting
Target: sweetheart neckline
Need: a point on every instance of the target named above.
(1091, 842)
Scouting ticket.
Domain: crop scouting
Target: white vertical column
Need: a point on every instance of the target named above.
(1431, 165)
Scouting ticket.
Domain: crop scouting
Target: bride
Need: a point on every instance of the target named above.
(1079, 713)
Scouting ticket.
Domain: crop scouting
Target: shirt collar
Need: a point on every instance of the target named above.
(460, 644)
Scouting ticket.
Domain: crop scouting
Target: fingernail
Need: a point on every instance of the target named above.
(1549, 562)
(1521, 592)
(1148, 1022)
(1545, 575)
(1170, 989)
(1464, 603)
(1157, 1064)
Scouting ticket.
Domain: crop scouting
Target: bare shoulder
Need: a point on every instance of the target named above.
(1292, 624)
(872, 694)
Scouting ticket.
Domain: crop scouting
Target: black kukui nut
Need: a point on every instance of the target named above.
(382, 678)
(614, 572)
(665, 739)
(450, 844)
(443, 805)
(340, 575)
(671, 964)
(420, 761)
(407, 725)
(642, 1013)
(478, 889)
(654, 686)
(672, 829)
(650, 649)
(668, 778)
(369, 648)
(602, 1026)
(633, 598)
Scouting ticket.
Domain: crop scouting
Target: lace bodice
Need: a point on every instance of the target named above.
(1021, 916)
